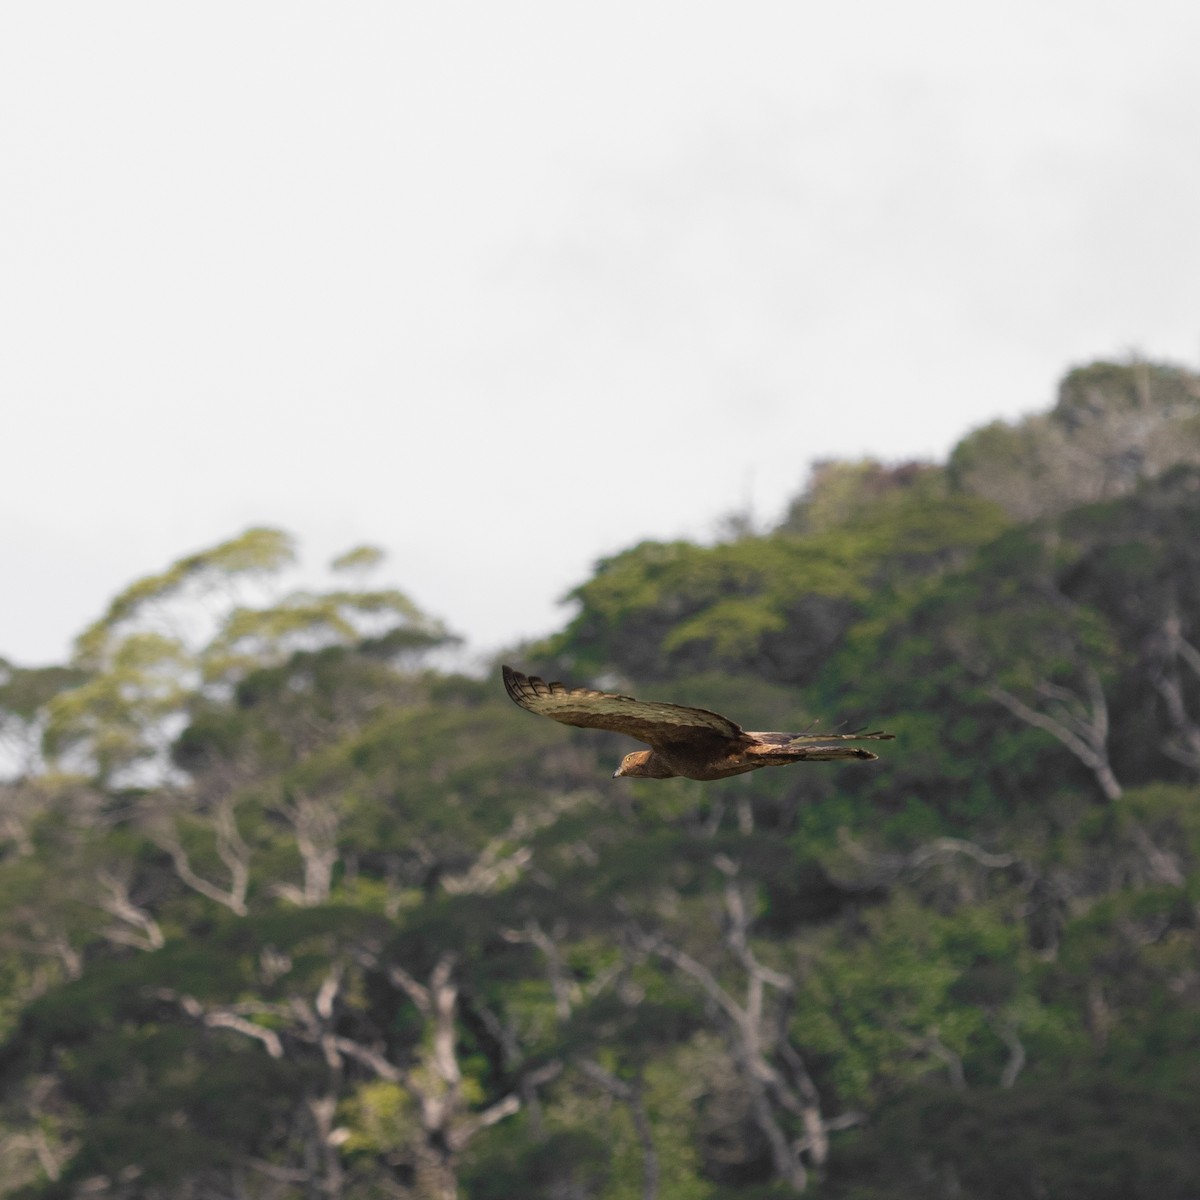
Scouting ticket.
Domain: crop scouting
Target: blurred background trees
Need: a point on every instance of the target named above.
(290, 912)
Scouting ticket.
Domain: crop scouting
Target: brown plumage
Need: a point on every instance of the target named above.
(691, 742)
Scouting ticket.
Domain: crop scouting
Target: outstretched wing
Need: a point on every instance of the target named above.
(655, 724)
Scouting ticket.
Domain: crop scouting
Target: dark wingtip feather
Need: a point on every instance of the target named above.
(512, 682)
(523, 688)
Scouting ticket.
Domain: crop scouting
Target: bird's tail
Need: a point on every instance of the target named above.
(780, 748)
(813, 739)
(812, 750)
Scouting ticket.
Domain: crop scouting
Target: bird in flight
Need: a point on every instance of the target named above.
(691, 742)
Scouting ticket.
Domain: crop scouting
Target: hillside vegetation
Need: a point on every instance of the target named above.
(288, 913)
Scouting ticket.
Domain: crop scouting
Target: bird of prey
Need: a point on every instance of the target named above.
(691, 742)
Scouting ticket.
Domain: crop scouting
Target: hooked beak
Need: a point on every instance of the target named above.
(618, 773)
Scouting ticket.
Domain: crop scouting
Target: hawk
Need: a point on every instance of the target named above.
(691, 742)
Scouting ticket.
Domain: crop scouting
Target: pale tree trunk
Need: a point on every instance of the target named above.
(436, 1086)
(1007, 1030)
(315, 824)
(755, 1039)
(1172, 651)
(631, 1096)
(436, 1176)
(325, 1166)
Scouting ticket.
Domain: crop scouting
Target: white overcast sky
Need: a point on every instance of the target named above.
(504, 287)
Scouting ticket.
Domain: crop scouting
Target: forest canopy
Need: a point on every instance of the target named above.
(290, 911)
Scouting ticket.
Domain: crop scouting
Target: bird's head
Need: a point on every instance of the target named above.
(643, 763)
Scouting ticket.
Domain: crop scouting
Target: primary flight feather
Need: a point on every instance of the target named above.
(691, 742)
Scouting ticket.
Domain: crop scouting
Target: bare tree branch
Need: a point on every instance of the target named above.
(1078, 723)
(753, 1040)
(564, 991)
(1016, 1053)
(145, 934)
(416, 992)
(632, 1097)
(371, 1059)
(504, 858)
(223, 1018)
(885, 868)
(231, 850)
(932, 1042)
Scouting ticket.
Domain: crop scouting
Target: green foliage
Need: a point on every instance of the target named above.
(916, 995)
(772, 607)
(358, 560)
(250, 638)
(664, 609)
(254, 555)
(285, 912)
(24, 691)
(135, 682)
(1094, 1136)
(1116, 427)
(573, 1161)
(114, 717)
